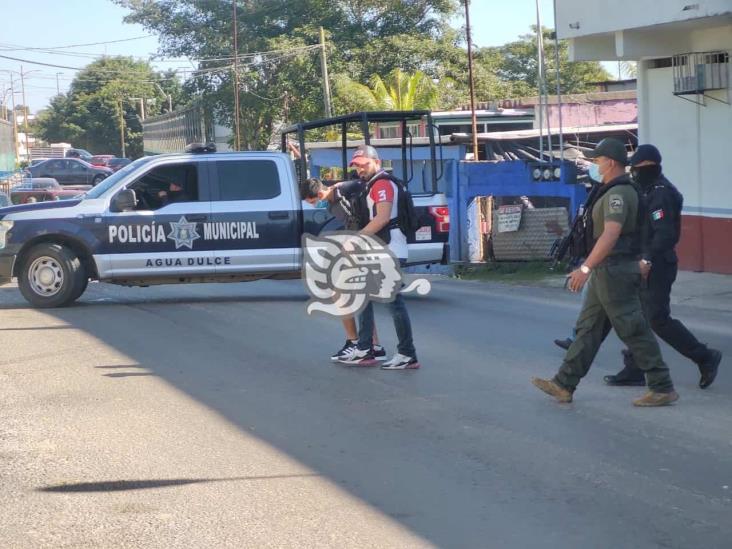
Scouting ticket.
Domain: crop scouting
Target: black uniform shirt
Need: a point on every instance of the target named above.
(663, 203)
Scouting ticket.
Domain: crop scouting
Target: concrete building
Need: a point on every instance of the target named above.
(683, 49)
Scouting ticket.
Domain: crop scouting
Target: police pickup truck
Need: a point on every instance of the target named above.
(179, 218)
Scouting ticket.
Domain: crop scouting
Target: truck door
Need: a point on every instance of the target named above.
(164, 234)
(255, 215)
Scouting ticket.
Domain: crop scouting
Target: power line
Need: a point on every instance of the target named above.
(30, 48)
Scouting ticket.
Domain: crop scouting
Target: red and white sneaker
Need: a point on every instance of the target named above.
(401, 362)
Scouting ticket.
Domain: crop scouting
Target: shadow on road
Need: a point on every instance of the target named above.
(125, 485)
(460, 452)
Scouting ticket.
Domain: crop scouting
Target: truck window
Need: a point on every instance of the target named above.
(247, 179)
(166, 185)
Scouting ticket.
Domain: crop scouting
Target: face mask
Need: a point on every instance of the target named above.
(646, 175)
(594, 173)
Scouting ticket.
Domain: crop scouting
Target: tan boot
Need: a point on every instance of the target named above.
(652, 398)
(550, 387)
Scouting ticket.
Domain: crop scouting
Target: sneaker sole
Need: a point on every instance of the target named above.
(413, 366)
(362, 363)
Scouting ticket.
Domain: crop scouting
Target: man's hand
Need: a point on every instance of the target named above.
(327, 194)
(645, 269)
(162, 194)
(576, 280)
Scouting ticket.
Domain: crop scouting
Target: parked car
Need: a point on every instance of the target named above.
(79, 153)
(70, 171)
(43, 189)
(100, 159)
(37, 161)
(116, 164)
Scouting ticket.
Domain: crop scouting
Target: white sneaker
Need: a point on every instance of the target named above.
(401, 362)
(357, 357)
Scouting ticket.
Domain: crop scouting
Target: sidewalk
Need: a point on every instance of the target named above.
(704, 290)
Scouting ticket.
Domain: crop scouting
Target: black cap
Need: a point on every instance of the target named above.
(645, 152)
(612, 148)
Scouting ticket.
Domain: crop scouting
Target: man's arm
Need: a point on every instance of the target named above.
(380, 220)
(662, 218)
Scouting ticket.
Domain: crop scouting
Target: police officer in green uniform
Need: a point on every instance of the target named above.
(613, 293)
(659, 266)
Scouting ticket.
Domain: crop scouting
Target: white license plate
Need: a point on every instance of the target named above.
(423, 233)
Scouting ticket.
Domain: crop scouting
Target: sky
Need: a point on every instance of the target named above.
(51, 24)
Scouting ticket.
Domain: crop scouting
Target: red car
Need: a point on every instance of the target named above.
(42, 189)
(100, 159)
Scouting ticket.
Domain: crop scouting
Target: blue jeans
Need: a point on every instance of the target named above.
(402, 325)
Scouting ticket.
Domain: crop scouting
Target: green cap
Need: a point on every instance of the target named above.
(612, 148)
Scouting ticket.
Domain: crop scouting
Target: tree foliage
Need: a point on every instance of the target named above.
(516, 66)
(88, 115)
(365, 37)
(367, 41)
(399, 91)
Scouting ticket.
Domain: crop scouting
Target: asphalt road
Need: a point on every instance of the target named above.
(210, 416)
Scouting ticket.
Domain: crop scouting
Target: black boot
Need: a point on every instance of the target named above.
(563, 343)
(629, 376)
(709, 368)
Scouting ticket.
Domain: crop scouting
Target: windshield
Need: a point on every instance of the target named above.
(113, 179)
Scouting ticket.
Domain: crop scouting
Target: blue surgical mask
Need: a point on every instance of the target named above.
(594, 173)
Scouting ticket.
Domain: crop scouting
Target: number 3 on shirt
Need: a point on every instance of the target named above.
(382, 195)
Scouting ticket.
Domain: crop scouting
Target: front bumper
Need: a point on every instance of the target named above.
(7, 262)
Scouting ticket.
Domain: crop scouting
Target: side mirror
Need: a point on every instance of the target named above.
(124, 201)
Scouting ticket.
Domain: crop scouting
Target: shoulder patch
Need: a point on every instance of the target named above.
(615, 203)
(657, 215)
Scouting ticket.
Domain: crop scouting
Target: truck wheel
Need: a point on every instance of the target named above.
(51, 276)
(97, 180)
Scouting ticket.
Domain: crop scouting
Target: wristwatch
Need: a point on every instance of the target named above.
(585, 269)
(646, 262)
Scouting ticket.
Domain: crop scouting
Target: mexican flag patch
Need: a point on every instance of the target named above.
(658, 214)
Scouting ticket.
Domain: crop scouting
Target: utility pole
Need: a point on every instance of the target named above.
(58, 88)
(236, 82)
(142, 106)
(122, 128)
(15, 118)
(559, 85)
(472, 81)
(540, 84)
(25, 116)
(324, 72)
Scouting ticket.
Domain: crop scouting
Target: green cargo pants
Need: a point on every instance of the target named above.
(613, 300)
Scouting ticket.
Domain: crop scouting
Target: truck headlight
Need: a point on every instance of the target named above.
(5, 227)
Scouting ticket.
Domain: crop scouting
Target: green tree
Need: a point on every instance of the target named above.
(365, 37)
(399, 91)
(101, 100)
(516, 65)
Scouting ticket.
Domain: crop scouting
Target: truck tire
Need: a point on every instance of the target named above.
(51, 275)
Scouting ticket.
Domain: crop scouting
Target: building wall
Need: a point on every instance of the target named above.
(616, 111)
(695, 143)
(577, 18)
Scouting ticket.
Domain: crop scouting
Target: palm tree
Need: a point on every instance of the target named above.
(399, 91)
(403, 92)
